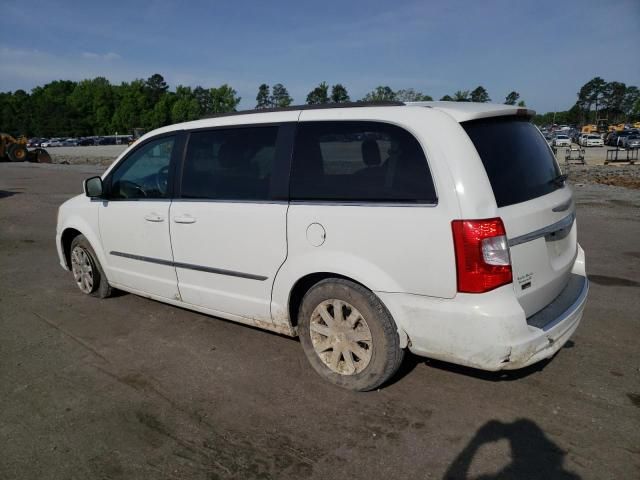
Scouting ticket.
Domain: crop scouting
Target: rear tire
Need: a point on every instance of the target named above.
(17, 152)
(87, 271)
(348, 335)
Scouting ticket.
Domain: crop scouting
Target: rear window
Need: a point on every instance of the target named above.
(518, 161)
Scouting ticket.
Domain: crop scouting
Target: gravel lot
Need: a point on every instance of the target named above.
(98, 155)
(131, 388)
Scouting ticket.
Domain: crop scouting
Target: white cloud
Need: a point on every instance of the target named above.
(98, 56)
(27, 68)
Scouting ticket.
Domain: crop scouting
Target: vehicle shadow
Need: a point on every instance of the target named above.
(533, 455)
(6, 193)
(411, 361)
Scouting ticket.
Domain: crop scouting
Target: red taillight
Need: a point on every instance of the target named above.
(482, 255)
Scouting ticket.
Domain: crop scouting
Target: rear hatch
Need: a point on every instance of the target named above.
(535, 205)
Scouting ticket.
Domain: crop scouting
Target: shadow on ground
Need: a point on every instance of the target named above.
(533, 455)
(411, 361)
(6, 193)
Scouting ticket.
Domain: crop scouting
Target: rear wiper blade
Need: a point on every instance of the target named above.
(560, 179)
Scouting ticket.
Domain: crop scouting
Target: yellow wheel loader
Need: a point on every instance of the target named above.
(15, 150)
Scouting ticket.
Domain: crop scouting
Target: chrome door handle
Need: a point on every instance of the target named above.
(185, 219)
(153, 217)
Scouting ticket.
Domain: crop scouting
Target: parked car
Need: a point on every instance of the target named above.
(561, 140)
(54, 142)
(582, 139)
(106, 141)
(609, 138)
(84, 142)
(70, 142)
(337, 226)
(620, 137)
(632, 141)
(593, 141)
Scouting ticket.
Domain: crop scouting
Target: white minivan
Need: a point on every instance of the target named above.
(445, 229)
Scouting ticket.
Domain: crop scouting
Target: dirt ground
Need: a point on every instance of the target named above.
(131, 388)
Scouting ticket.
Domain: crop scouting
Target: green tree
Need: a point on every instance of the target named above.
(339, 94)
(156, 87)
(280, 96)
(132, 107)
(319, 95)
(613, 100)
(410, 95)
(379, 94)
(93, 103)
(224, 99)
(203, 98)
(512, 98)
(631, 103)
(480, 94)
(263, 99)
(591, 94)
(183, 105)
(161, 114)
(51, 106)
(522, 104)
(447, 98)
(15, 113)
(461, 96)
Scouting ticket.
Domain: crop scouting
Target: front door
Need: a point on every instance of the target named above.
(134, 221)
(227, 230)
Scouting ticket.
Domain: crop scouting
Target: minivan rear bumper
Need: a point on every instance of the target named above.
(489, 331)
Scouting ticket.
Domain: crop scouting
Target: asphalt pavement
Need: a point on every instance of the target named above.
(129, 388)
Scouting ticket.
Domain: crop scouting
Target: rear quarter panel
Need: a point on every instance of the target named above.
(386, 248)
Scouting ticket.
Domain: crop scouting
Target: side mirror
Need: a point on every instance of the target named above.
(93, 187)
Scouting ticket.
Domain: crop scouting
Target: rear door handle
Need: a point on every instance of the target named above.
(154, 217)
(184, 219)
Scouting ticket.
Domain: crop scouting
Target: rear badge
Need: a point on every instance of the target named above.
(525, 280)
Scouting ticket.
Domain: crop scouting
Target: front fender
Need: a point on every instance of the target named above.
(81, 214)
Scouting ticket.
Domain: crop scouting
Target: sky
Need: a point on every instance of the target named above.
(545, 50)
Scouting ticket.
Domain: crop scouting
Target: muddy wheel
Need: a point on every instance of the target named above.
(17, 152)
(39, 155)
(87, 271)
(348, 335)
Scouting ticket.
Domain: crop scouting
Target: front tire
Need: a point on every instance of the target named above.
(87, 271)
(348, 335)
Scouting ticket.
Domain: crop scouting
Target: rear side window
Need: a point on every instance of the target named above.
(518, 161)
(359, 161)
(229, 164)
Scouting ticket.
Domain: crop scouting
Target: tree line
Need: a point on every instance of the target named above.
(598, 100)
(98, 107)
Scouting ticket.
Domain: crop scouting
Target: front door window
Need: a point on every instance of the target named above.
(145, 174)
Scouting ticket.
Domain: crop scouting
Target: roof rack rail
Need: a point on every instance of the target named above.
(318, 106)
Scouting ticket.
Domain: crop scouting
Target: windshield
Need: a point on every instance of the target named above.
(518, 161)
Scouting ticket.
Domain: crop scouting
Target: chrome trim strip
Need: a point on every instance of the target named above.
(216, 200)
(569, 311)
(563, 224)
(188, 266)
(360, 203)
